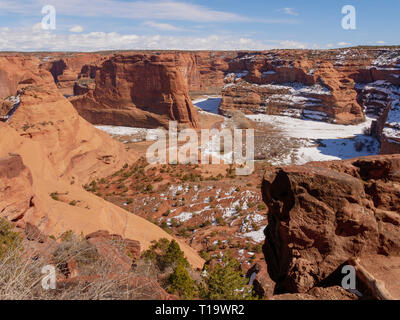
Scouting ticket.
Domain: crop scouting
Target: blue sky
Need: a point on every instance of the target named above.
(91, 25)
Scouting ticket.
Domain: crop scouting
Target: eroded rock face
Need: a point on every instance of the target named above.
(16, 193)
(319, 85)
(323, 214)
(18, 72)
(138, 90)
(67, 68)
(290, 83)
(384, 99)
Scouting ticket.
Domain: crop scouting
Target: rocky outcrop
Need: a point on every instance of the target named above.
(138, 90)
(67, 68)
(382, 101)
(124, 253)
(323, 214)
(292, 84)
(18, 72)
(16, 192)
(5, 107)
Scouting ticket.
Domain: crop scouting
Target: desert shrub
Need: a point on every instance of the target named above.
(205, 255)
(54, 196)
(261, 206)
(21, 273)
(165, 254)
(67, 235)
(9, 239)
(180, 282)
(226, 282)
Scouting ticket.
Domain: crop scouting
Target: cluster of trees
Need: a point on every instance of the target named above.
(224, 281)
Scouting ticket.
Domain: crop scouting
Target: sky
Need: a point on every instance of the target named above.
(94, 25)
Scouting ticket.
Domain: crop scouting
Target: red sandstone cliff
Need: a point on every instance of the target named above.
(67, 68)
(290, 83)
(138, 90)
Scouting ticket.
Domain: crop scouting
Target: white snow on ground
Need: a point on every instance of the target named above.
(333, 149)
(323, 141)
(388, 58)
(391, 132)
(184, 216)
(117, 130)
(139, 133)
(294, 88)
(315, 115)
(308, 129)
(15, 100)
(256, 236)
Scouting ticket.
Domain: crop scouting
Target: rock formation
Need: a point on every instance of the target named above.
(67, 68)
(323, 214)
(16, 193)
(61, 151)
(290, 83)
(138, 90)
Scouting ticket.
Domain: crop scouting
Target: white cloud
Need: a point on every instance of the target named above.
(342, 44)
(380, 42)
(36, 39)
(76, 29)
(152, 10)
(330, 45)
(160, 26)
(144, 10)
(293, 44)
(289, 11)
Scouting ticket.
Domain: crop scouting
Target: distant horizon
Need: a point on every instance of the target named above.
(133, 25)
(206, 50)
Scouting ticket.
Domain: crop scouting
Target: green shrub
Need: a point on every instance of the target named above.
(226, 282)
(180, 282)
(165, 254)
(9, 239)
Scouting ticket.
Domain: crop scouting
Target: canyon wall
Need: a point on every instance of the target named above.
(312, 84)
(66, 68)
(138, 90)
(339, 86)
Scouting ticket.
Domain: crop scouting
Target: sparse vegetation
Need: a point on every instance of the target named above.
(226, 282)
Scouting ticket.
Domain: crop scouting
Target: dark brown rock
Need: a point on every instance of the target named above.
(323, 214)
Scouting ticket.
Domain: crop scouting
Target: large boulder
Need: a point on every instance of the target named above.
(323, 214)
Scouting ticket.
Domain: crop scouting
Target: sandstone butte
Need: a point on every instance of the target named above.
(46, 148)
(138, 90)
